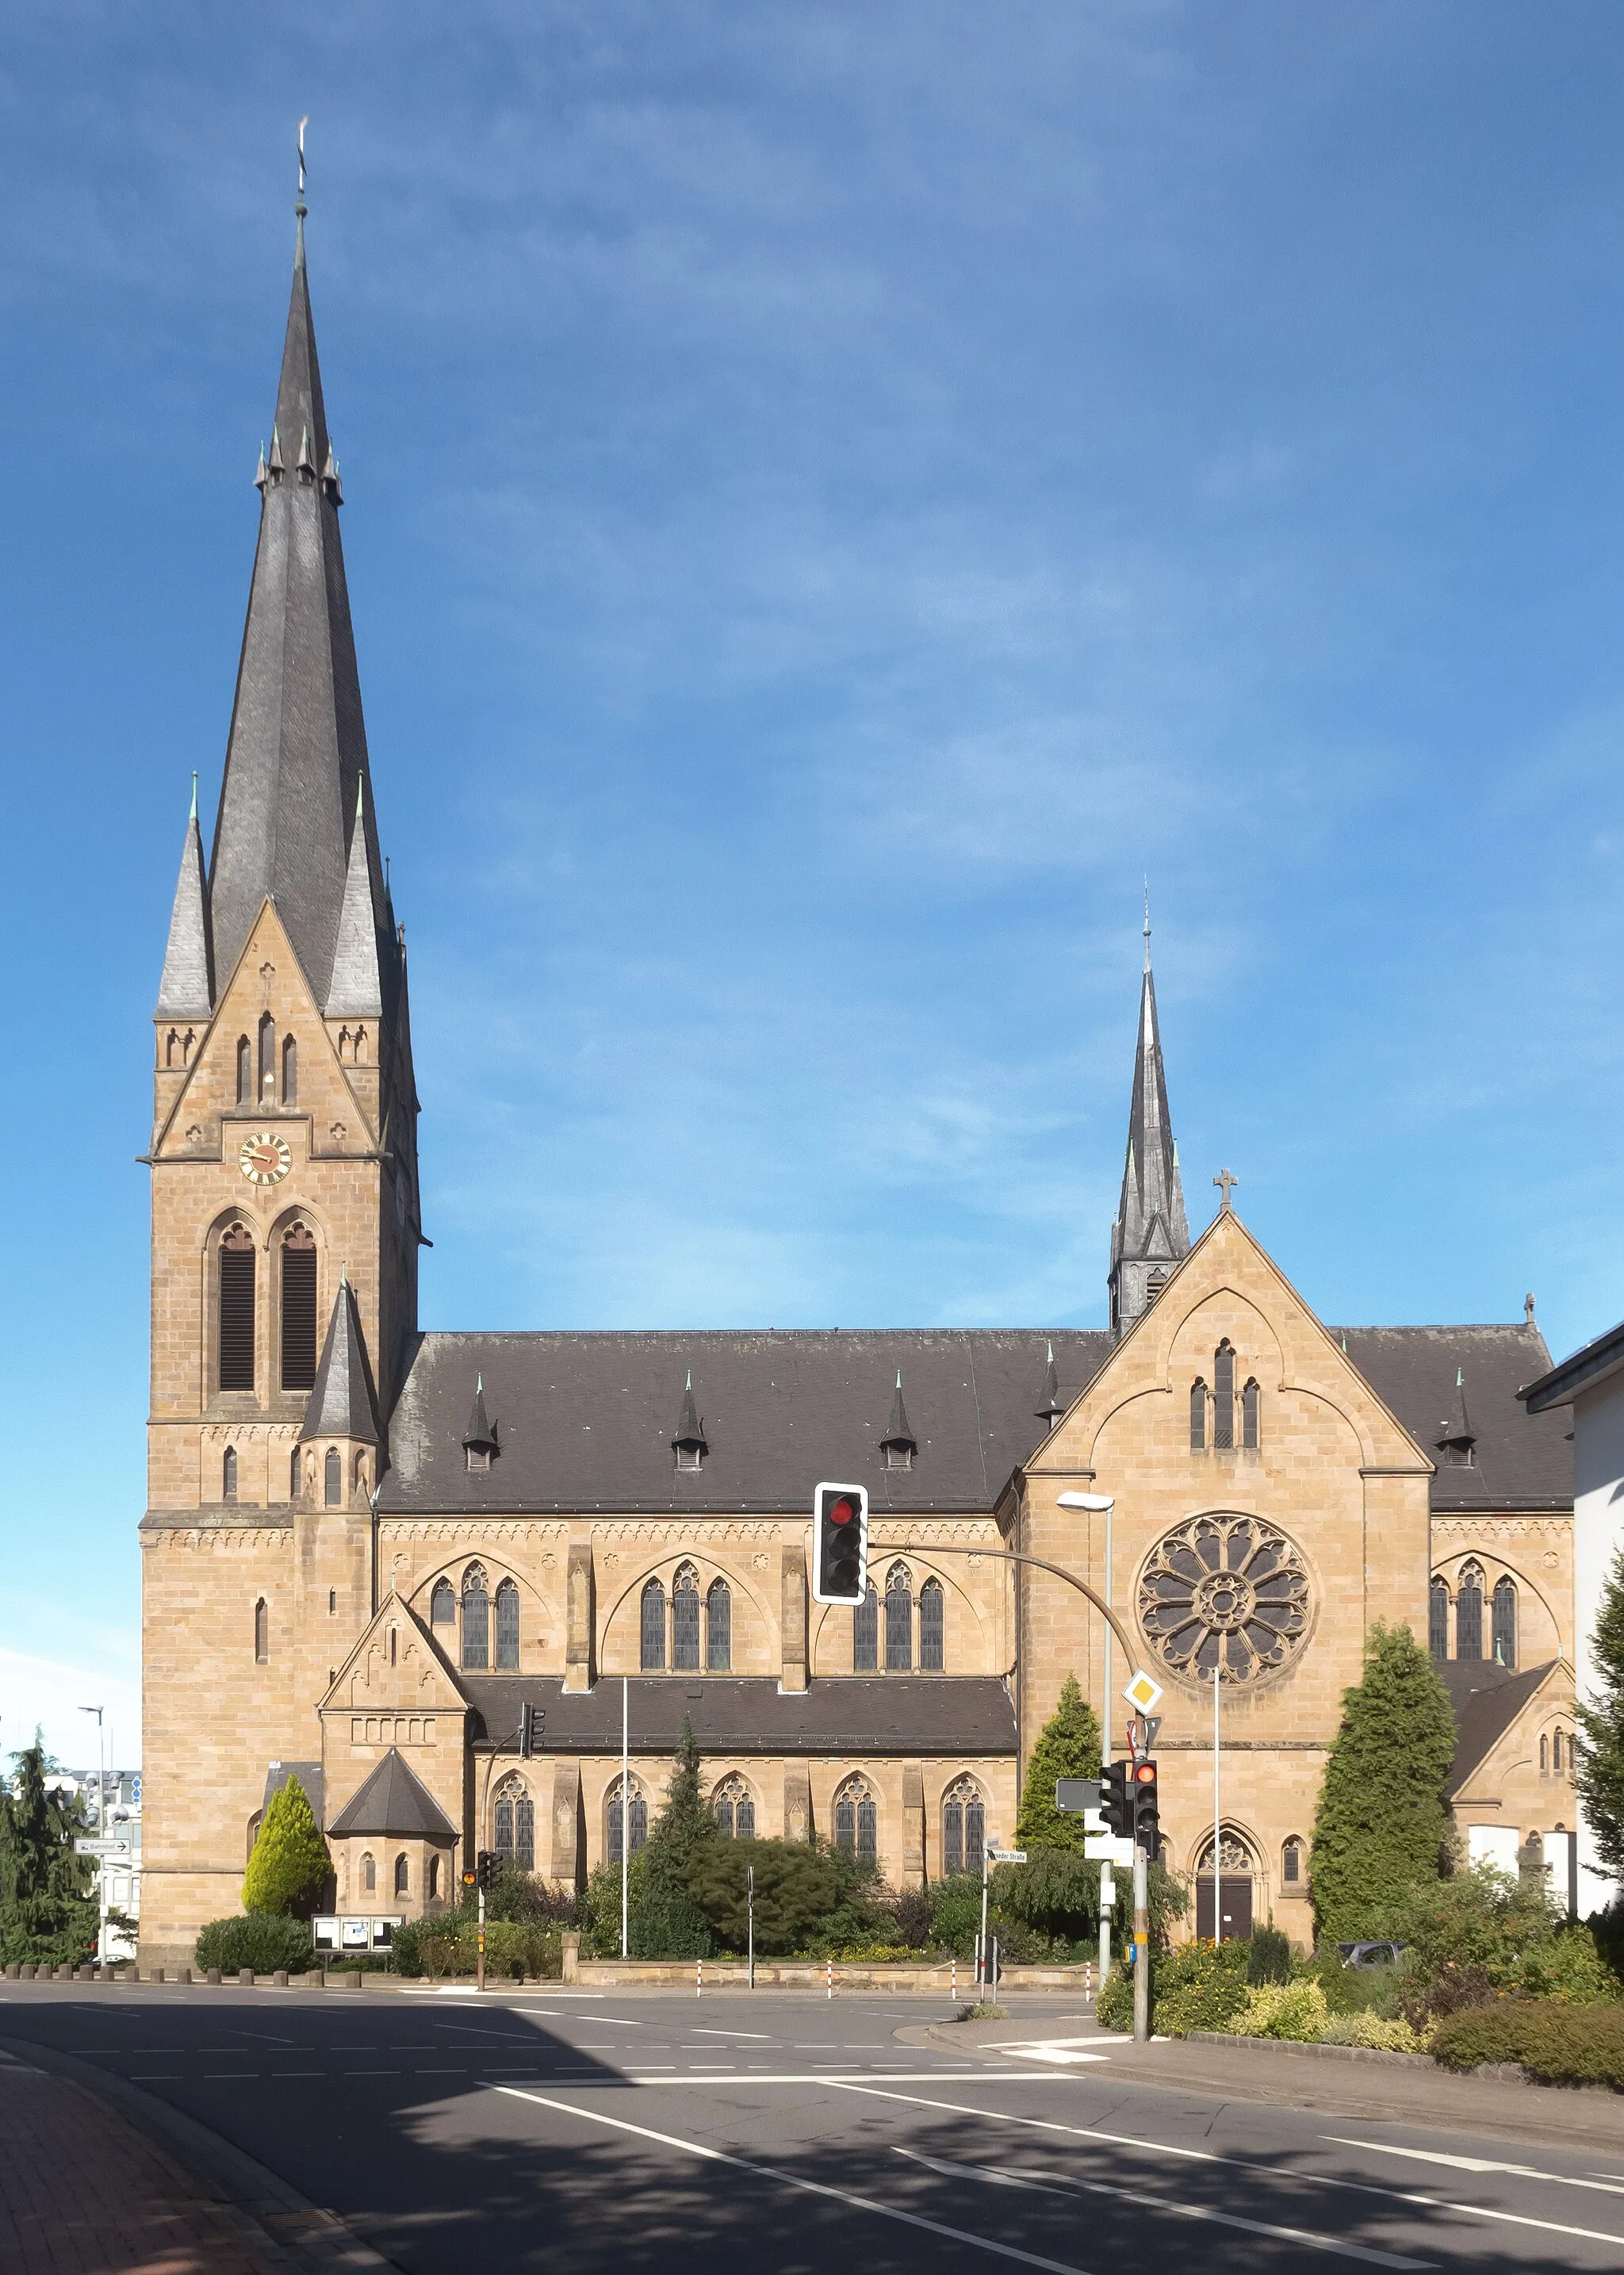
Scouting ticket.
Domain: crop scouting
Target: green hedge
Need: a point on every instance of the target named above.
(1555, 2041)
(261, 1940)
(449, 1945)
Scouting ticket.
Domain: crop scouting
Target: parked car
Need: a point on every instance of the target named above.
(1371, 1954)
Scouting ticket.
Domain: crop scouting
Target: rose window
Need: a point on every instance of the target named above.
(1229, 1592)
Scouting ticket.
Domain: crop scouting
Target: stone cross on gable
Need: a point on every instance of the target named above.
(1226, 1180)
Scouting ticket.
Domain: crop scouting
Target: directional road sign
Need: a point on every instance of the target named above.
(1108, 1849)
(1007, 1856)
(100, 1847)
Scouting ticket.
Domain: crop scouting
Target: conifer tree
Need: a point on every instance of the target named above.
(666, 1921)
(1598, 1768)
(46, 1909)
(1382, 1820)
(1068, 1746)
(289, 1866)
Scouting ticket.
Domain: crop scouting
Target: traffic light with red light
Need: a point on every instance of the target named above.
(1146, 1816)
(839, 1543)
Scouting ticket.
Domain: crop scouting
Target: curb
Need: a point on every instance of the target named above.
(1382, 2055)
(293, 2227)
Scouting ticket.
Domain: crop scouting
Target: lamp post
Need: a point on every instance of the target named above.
(1103, 1505)
(100, 1833)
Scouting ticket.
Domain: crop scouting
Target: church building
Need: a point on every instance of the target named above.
(369, 1548)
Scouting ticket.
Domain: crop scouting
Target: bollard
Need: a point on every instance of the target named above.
(87, 1974)
(699, 1977)
(131, 1974)
(158, 1975)
(280, 1978)
(28, 1971)
(353, 1982)
(12, 1973)
(213, 1975)
(245, 1978)
(830, 1964)
(65, 1974)
(956, 1978)
(183, 1974)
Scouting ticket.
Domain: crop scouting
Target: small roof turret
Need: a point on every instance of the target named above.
(1049, 1406)
(899, 1431)
(342, 1404)
(689, 1436)
(1457, 1434)
(480, 1435)
(186, 991)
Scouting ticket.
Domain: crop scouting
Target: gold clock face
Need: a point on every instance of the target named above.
(265, 1160)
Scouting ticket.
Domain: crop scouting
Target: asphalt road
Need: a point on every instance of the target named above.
(623, 2131)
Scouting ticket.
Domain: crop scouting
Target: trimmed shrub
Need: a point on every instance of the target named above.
(450, 1946)
(1393, 2036)
(1268, 1957)
(289, 1866)
(1281, 2010)
(1554, 2041)
(798, 1885)
(262, 1940)
(1197, 1987)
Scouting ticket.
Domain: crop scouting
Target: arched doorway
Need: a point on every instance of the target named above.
(1236, 1867)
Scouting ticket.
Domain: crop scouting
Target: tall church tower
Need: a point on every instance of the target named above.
(285, 1205)
(1151, 1234)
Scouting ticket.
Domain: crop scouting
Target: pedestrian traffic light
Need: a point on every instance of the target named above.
(486, 1865)
(1116, 1801)
(839, 1543)
(531, 1720)
(1146, 1820)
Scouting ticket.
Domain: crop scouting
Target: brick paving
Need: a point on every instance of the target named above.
(83, 2190)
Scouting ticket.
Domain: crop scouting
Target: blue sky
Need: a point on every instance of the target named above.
(835, 495)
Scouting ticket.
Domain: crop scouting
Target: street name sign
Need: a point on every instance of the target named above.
(1007, 1855)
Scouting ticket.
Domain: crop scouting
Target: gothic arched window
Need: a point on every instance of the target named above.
(735, 1808)
(369, 1872)
(616, 1820)
(299, 1308)
(653, 1628)
(507, 1625)
(442, 1615)
(268, 1060)
(245, 1071)
(1198, 1415)
(1504, 1621)
(228, 1474)
(865, 1633)
(1468, 1612)
(1562, 1755)
(433, 1879)
(856, 1823)
(476, 1618)
(261, 1632)
(402, 1876)
(1223, 1397)
(334, 1490)
(502, 1818)
(1437, 1617)
(1291, 1863)
(1249, 1397)
(933, 1605)
(1544, 1751)
(294, 1475)
(237, 1310)
(718, 1628)
(290, 1072)
(899, 1620)
(685, 1621)
(964, 1827)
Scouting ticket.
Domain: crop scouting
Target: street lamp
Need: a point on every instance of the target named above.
(100, 1831)
(1102, 1504)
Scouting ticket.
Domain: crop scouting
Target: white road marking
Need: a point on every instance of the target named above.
(1054, 2049)
(1053, 2184)
(699, 2031)
(796, 2180)
(644, 2076)
(1480, 2164)
(1236, 2164)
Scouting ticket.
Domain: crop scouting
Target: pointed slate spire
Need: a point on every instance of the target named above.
(480, 1435)
(342, 1404)
(689, 1436)
(899, 1437)
(297, 751)
(1150, 1233)
(357, 988)
(1457, 1434)
(186, 991)
(1049, 1408)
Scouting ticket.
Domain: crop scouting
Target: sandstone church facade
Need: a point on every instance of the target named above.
(368, 1547)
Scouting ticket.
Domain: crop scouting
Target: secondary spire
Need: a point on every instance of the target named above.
(1151, 1234)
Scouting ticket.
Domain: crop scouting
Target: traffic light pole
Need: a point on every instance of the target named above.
(481, 1985)
(1038, 1563)
(1141, 1947)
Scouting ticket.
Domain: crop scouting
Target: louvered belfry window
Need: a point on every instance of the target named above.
(1223, 1397)
(298, 1309)
(237, 1310)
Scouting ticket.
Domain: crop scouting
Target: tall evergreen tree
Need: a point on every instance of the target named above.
(1068, 1746)
(1599, 1770)
(666, 1920)
(1382, 1820)
(289, 1866)
(46, 1909)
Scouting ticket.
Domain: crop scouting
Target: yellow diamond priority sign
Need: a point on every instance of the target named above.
(1143, 1692)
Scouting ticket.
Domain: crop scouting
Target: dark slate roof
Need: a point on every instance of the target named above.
(394, 1802)
(1487, 1699)
(309, 1775)
(356, 989)
(342, 1404)
(297, 756)
(186, 990)
(944, 1714)
(1519, 1461)
(1581, 1370)
(585, 1418)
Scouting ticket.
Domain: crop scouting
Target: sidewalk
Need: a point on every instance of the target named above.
(84, 2189)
